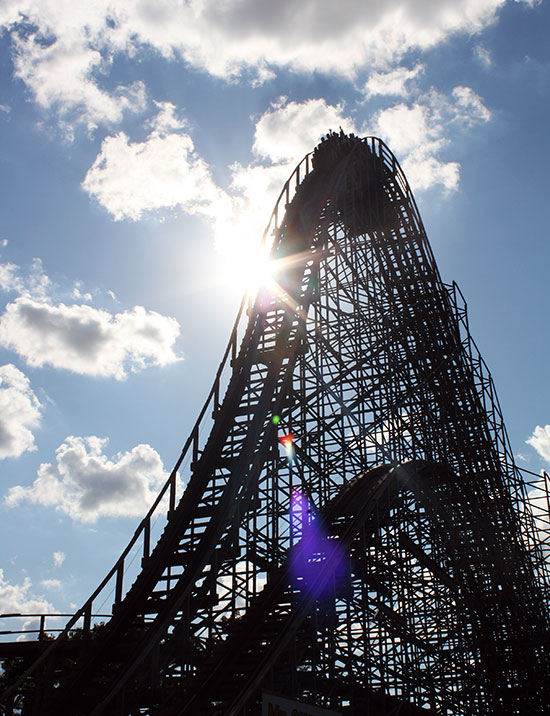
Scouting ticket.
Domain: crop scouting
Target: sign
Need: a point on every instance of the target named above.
(273, 705)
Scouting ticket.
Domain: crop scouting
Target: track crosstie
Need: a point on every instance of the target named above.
(426, 590)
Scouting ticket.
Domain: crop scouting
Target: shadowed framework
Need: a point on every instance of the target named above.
(384, 558)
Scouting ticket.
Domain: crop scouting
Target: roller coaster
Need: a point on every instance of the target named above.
(354, 536)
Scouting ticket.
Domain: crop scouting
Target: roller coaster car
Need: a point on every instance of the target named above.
(344, 166)
(361, 200)
(333, 148)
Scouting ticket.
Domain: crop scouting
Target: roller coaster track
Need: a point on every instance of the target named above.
(426, 589)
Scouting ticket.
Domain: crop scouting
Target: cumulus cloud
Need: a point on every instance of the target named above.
(18, 598)
(392, 82)
(283, 135)
(78, 295)
(9, 278)
(86, 484)
(419, 130)
(405, 126)
(239, 222)
(415, 136)
(33, 283)
(20, 411)
(165, 172)
(78, 337)
(130, 178)
(22, 599)
(63, 52)
(287, 131)
(51, 583)
(483, 55)
(87, 340)
(167, 120)
(469, 106)
(540, 440)
(58, 559)
(61, 76)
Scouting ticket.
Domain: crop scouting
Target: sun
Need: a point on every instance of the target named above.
(247, 267)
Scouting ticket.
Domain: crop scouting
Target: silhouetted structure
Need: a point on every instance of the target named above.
(386, 560)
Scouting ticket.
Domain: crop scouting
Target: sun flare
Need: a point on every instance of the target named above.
(248, 267)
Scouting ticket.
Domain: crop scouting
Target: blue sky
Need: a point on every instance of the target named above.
(142, 147)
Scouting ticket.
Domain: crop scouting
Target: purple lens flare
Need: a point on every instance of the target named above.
(318, 564)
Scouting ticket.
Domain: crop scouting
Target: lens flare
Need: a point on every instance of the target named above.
(318, 563)
(287, 441)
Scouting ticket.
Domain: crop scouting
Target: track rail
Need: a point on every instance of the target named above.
(366, 357)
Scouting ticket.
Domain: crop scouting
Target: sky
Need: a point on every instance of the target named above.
(142, 147)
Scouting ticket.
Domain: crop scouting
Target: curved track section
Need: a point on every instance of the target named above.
(436, 597)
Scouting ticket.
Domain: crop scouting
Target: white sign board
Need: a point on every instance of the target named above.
(278, 706)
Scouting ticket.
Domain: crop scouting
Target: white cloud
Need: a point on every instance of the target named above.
(166, 121)
(392, 82)
(254, 190)
(283, 135)
(76, 337)
(51, 583)
(18, 598)
(288, 131)
(78, 295)
(406, 127)
(64, 49)
(62, 76)
(540, 440)
(483, 55)
(87, 340)
(9, 277)
(33, 283)
(469, 106)
(20, 411)
(21, 599)
(58, 559)
(163, 172)
(418, 131)
(425, 171)
(86, 484)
